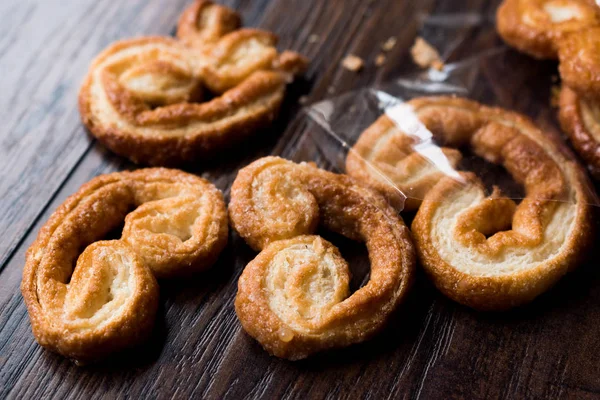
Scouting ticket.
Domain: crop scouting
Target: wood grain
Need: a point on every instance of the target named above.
(432, 349)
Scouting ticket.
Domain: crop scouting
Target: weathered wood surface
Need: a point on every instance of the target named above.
(432, 349)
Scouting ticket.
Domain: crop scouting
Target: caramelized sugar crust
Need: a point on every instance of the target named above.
(87, 298)
(294, 296)
(579, 67)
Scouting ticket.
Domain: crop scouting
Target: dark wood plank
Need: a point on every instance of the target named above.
(45, 50)
(433, 348)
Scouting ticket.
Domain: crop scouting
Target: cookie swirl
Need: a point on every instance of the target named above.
(87, 305)
(294, 296)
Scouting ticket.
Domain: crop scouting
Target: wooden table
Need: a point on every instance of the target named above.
(433, 348)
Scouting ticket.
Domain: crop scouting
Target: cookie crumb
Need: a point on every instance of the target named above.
(389, 44)
(380, 60)
(352, 63)
(331, 89)
(425, 55)
(313, 38)
(303, 100)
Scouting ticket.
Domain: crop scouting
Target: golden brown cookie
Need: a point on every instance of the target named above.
(294, 297)
(143, 98)
(488, 252)
(535, 26)
(87, 298)
(580, 119)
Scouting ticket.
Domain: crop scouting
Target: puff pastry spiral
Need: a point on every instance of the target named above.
(486, 251)
(294, 297)
(87, 305)
(143, 98)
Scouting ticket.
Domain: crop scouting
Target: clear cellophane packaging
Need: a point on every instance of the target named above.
(529, 220)
(491, 74)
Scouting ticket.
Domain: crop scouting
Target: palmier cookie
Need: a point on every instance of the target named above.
(87, 305)
(536, 26)
(294, 296)
(580, 119)
(143, 98)
(486, 251)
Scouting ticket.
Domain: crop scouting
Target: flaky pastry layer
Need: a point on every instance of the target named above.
(88, 305)
(294, 296)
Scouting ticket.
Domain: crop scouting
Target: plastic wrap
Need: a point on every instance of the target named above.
(339, 123)
(503, 208)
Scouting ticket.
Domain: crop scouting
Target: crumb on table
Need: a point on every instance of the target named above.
(313, 38)
(389, 44)
(425, 55)
(380, 60)
(352, 63)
